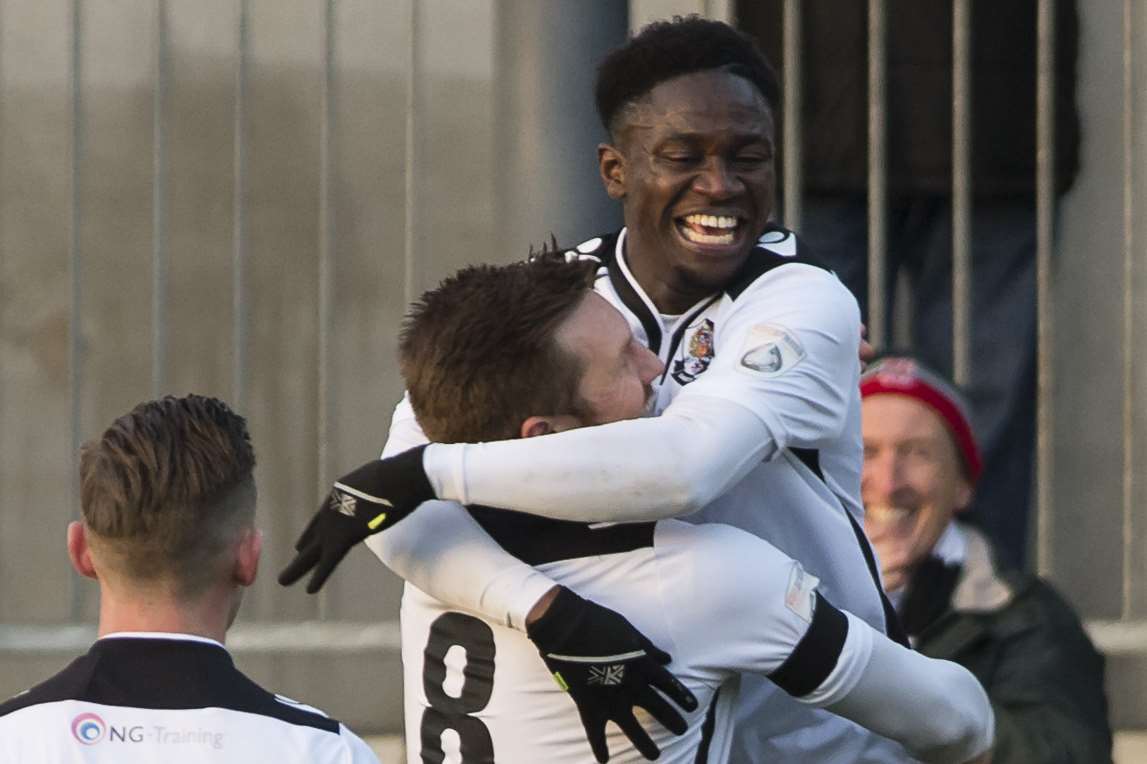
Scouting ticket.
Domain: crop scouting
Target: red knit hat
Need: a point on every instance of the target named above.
(906, 376)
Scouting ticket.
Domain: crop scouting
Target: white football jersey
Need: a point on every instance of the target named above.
(720, 601)
(142, 698)
(763, 343)
(742, 344)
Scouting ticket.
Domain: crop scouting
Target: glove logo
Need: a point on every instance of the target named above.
(607, 675)
(343, 503)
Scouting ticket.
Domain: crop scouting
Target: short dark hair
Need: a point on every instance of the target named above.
(667, 49)
(166, 488)
(478, 353)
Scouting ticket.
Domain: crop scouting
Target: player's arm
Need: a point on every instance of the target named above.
(774, 622)
(443, 551)
(745, 408)
(784, 372)
(935, 708)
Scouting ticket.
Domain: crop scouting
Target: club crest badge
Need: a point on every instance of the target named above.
(698, 354)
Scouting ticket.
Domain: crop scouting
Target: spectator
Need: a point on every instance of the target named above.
(168, 503)
(919, 174)
(1012, 630)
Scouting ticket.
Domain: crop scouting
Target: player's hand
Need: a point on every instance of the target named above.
(364, 502)
(608, 667)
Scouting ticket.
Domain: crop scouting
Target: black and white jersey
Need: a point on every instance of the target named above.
(780, 343)
(143, 698)
(806, 499)
(721, 601)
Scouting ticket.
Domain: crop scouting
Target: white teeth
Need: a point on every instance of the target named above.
(712, 221)
(704, 238)
(887, 514)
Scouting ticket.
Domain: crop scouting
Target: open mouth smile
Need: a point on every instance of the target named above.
(710, 230)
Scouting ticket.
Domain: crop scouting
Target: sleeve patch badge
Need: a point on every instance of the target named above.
(800, 597)
(771, 350)
(779, 243)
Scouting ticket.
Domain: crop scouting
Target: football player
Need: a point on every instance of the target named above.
(759, 423)
(527, 350)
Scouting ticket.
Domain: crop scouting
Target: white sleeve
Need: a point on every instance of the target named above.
(935, 708)
(788, 350)
(357, 751)
(785, 370)
(637, 470)
(772, 621)
(443, 551)
(761, 600)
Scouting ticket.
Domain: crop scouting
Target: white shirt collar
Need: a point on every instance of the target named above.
(161, 635)
(952, 546)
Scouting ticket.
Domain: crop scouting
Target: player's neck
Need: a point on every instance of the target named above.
(668, 296)
(145, 611)
(668, 293)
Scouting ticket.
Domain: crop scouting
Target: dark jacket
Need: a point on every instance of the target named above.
(919, 90)
(1026, 646)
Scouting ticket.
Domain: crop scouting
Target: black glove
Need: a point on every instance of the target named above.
(364, 502)
(608, 667)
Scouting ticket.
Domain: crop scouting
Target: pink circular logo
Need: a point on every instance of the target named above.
(88, 728)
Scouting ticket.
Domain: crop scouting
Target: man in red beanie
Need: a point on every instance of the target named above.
(1012, 630)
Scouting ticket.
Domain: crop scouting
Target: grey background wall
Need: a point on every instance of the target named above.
(239, 197)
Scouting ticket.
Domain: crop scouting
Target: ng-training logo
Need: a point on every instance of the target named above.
(88, 728)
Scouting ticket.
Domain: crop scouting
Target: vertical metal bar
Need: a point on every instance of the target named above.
(877, 175)
(721, 10)
(158, 206)
(793, 173)
(239, 218)
(1045, 240)
(961, 189)
(1128, 302)
(326, 255)
(75, 324)
(411, 282)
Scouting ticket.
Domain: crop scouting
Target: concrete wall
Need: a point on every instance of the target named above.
(340, 210)
(1098, 527)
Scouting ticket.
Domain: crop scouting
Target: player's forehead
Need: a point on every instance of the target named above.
(891, 418)
(705, 104)
(594, 329)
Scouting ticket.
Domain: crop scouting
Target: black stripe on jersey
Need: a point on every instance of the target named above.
(817, 654)
(892, 626)
(537, 540)
(762, 260)
(632, 300)
(163, 674)
(707, 729)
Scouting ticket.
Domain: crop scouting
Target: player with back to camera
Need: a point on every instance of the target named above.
(537, 351)
(759, 423)
(168, 532)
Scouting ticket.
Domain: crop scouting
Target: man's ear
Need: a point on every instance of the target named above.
(247, 559)
(544, 425)
(611, 165)
(78, 551)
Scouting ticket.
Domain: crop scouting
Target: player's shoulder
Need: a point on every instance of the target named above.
(778, 248)
(601, 248)
(68, 684)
